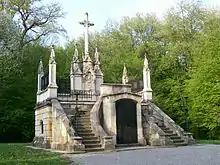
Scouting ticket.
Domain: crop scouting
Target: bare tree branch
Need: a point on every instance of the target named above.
(36, 19)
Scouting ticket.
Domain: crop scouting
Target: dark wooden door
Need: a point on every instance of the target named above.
(126, 121)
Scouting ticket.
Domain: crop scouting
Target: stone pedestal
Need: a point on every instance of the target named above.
(78, 146)
(52, 91)
(107, 143)
(41, 142)
(147, 95)
(74, 146)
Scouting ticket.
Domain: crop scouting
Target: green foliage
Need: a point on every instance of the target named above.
(9, 43)
(203, 87)
(19, 154)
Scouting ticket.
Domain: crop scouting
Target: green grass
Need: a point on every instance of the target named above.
(19, 154)
(208, 141)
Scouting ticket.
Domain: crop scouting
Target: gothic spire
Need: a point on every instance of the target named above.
(52, 55)
(76, 54)
(40, 68)
(75, 63)
(125, 76)
(97, 63)
(145, 62)
(147, 91)
(96, 56)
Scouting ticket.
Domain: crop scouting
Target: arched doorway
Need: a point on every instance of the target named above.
(126, 121)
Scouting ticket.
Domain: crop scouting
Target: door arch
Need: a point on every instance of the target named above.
(126, 121)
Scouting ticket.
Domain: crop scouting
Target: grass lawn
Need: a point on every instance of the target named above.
(18, 154)
(208, 141)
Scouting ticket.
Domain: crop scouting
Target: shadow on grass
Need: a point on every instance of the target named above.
(19, 154)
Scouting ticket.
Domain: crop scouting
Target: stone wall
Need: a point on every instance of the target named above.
(107, 89)
(58, 132)
(106, 139)
(44, 114)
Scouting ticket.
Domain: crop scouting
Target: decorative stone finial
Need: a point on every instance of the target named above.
(97, 56)
(75, 69)
(97, 63)
(40, 68)
(125, 76)
(147, 91)
(76, 54)
(145, 61)
(52, 54)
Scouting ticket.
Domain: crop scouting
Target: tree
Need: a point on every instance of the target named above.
(8, 42)
(35, 19)
(203, 86)
(178, 35)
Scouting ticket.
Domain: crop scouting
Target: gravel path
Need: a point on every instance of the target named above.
(189, 155)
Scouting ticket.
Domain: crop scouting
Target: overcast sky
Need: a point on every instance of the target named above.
(102, 10)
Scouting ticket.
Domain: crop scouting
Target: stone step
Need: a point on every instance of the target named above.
(81, 123)
(82, 114)
(90, 138)
(168, 131)
(164, 128)
(83, 131)
(85, 134)
(94, 149)
(95, 145)
(89, 141)
(180, 144)
(170, 134)
(178, 140)
(83, 119)
(175, 137)
(83, 127)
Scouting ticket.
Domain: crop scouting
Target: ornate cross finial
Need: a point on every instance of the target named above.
(125, 76)
(86, 23)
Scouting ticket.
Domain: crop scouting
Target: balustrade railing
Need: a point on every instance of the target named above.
(136, 85)
(72, 95)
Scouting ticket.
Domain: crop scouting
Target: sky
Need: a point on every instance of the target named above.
(102, 10)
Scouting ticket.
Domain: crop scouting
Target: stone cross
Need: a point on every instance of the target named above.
(86, 23)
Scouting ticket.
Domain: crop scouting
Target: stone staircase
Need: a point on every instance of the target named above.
(177, 140)
(82, 126)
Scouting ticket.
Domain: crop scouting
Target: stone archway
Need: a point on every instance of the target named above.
(126, 121)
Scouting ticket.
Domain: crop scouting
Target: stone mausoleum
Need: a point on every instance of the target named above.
(84, 114)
